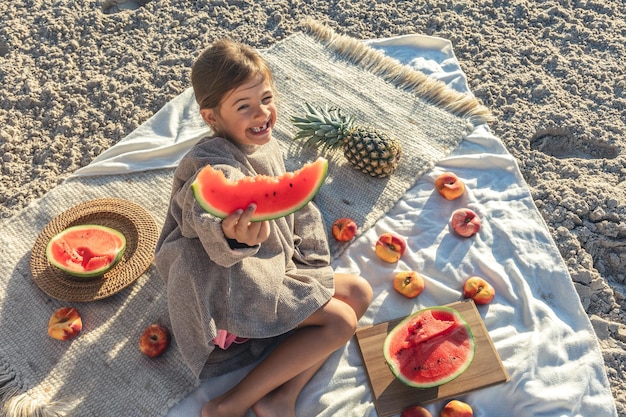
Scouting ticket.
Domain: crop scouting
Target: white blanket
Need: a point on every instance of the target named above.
(536, 321)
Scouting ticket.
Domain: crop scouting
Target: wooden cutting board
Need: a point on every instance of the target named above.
(392, 396)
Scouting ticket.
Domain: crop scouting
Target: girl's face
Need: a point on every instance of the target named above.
(246, 115)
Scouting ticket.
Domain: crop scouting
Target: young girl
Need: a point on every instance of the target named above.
(235, 287)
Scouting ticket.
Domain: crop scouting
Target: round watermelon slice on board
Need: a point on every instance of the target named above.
(430, 347)
(274, 197)
(86, 250)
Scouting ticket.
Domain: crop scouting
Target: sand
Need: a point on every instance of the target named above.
(78, 76)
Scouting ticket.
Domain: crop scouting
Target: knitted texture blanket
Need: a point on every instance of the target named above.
(102, 372)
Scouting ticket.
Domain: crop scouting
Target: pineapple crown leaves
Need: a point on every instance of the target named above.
(372, 152)
(325, 127)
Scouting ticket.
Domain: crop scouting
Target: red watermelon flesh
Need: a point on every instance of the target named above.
(274, 196)
(432, 324)
(430, 347)
(86, 250)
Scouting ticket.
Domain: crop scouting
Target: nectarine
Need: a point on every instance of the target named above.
(65, 323)
(479, 290)
(344, 229)
(154, 340)
(408, 283)
(456, 408)
(449, 185)
(390, 247)
(465, 222)
(415, 411)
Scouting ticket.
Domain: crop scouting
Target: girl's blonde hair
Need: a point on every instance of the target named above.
(222, 67)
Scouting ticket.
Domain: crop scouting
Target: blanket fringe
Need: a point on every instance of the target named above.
(22, 404)
(433, 91)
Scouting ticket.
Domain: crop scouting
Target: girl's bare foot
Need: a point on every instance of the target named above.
(275, 404)
(217, 407)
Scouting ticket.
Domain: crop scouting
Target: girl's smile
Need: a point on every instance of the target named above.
(261, 129)
(246, 115)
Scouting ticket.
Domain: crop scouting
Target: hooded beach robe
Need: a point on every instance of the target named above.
(258, 292)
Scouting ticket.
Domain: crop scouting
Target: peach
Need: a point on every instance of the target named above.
(65, 324)
(456, 408)
(465, 222)
(415, 411)
(478, 290)
(390, 247)
(450, 186)
(408, 283)
(154, 340)
(344, 229)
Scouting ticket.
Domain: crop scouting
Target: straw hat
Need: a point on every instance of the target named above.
(139, 229)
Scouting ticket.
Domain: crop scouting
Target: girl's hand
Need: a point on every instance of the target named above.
(238, 226)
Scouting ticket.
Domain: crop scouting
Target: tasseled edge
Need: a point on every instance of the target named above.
(431, 90)
(16, 403)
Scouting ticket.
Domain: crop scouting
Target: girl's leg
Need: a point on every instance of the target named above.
(321, 333)
(292, 364)
(354, 291)
(282, 401)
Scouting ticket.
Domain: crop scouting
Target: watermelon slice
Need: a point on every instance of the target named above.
(274, 197)
(86, 250)
(429, 348)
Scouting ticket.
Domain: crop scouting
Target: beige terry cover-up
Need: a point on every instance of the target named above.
(255, 292)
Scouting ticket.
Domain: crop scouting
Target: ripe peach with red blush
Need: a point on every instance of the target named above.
(390, 247)
(408, 283)
(450, 186)
(65, 324)
(344, 229)
(456, 408)
(415, 411)
(465, 222)
(479, 290)
(154, 340)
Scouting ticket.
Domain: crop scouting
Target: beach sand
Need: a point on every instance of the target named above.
(78, 76)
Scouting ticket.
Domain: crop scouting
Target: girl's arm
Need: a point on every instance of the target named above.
(240, 231)
(196, 223)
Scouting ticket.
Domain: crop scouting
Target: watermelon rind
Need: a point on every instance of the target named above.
(394, 366)
(72, 269)
(262, 180)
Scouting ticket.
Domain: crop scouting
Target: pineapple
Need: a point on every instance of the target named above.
(372, 152)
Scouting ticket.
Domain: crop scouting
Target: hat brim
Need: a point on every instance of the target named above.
(132, 220)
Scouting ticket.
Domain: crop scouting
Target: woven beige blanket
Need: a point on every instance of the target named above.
(101, 372)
